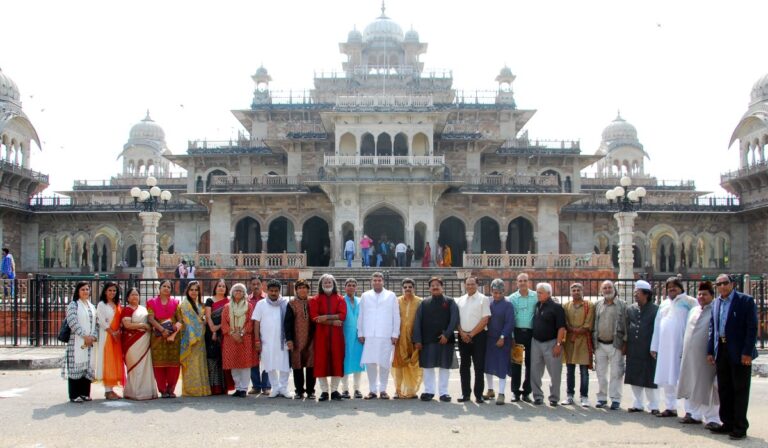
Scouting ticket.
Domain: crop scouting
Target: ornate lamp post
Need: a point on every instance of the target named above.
(149, 201)
(626, 202)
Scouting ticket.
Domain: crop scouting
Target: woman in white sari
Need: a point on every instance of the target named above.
(140, 381)
(80, 354)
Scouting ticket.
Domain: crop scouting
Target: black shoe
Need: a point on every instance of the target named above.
(445, 398)
(311, 396)
(601, 404)
(711, 425)
(615, 406)
(479, 400)
(737, 436)
(323, 396)
(553, 403)
(538, 402)
(463, 399)
(426, 397)
(527, 399)
(335, 396)
(298, 396)
(721, 429)
(515, 398)
(345, 395)
(358, 395)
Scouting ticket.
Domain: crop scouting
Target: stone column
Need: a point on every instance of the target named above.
(297, 236)
(220, 226)
(503, 237)
(470, 236)
(264, 241)
(149, 222)
(626, 222)
(548, 224)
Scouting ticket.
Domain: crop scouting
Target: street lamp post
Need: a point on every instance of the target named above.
(626, 202)
(149, 202)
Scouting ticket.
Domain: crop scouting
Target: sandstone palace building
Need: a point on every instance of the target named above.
(388, 148)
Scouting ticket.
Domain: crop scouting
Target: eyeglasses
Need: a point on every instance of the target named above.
(723, 283)
(408, 287)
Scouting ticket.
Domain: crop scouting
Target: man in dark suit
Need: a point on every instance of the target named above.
(731, 348)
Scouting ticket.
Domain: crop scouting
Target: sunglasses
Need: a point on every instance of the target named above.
(721, 283)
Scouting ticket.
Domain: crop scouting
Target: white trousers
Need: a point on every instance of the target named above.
(489, 381)
(279, 381)
(324, 383)
(242, 378)
(378, 377)
(429, 381)
(704, 412)
(355, 381)
(652, 395)
(609, 358)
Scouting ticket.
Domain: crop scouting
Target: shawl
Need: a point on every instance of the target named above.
(193, 328)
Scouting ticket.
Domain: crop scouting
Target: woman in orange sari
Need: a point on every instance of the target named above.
(109, 356)
(140, 382)
(447, 257)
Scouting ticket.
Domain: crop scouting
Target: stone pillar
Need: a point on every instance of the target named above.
(548, 224)
(297, 236)
(264, 241)
(220, 226)
(626, 222)
(470, 236)
(503, 237)
(149, 222)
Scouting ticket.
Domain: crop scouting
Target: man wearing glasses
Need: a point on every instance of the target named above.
(731, 348)
(524, 301)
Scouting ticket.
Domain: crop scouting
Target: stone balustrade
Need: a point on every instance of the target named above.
(384, 102)
(538, 261)
(240, 260)
(357, 160)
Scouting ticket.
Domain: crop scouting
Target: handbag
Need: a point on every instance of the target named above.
(65, 332)
(518, 353)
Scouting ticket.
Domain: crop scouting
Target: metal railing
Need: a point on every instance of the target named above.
(358, 160)
(257, 183)
(538, 261)
(539, 146)
(68, 204)
(32, 311)
(402, 102)
(125, 181)
(509, 183)
(651, 183)
(15, 168)
(239, 260)
(746, 171)
(703, 204)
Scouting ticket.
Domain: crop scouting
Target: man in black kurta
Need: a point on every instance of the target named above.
(436, 319)
(641, 366)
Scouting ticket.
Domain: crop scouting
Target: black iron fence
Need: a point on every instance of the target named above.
(32, 309)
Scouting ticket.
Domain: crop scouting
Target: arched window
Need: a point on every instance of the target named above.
(367, 145)
(401, 145)
(384, 145)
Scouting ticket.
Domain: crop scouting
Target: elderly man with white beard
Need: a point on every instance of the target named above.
(608, 335)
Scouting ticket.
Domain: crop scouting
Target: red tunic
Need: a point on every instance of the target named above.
(238, 355)
(329, 339)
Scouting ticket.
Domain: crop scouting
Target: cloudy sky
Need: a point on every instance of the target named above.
(680, 71)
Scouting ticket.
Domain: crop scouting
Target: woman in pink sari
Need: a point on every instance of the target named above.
(165, 343)
(140, 381)
(427, 257)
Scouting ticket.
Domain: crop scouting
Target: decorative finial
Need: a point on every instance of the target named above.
(383, 9)
(147, 118)
(618, 115)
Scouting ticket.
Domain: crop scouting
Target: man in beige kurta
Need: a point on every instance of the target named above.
(579, 319)
(405, 363)
(697, 376)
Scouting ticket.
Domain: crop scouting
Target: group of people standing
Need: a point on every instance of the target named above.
(699, 350)
(387, 253)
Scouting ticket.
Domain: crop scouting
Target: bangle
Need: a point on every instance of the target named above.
(258, 341)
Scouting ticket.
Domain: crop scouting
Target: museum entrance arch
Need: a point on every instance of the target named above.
(382, 223)
(279, 229)
(454, 234)
(316, 242)
(247, 236)
(487, 236)
(520, 236)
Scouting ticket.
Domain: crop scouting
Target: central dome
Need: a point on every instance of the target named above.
(147, 129)
(383, 29)
(619, 129)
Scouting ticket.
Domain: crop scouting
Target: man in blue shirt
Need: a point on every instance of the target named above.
(8, 270)
(524, 301)
(731, 349)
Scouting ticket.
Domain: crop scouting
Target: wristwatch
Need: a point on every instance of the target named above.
(501, 337)
(558, 343)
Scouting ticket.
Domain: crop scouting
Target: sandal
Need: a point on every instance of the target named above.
(76, 400)
(85, 398)
(667, 413)
(111, 396)
(370, 396)
(384, 396)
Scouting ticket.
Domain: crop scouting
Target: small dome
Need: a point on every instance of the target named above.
(506, 72)
(383, 29)
(261, 72)
(412, 36)
(147, 129)
(619, 129)
(760, 89)
(9, 91)
(355, 36)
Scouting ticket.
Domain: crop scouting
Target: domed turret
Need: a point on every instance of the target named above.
(412, 35)
(619, 130)
(9, 91)
(355, 36)
(760, 89)
(147, 129)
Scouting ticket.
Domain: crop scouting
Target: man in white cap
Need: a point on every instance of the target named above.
(641, 366)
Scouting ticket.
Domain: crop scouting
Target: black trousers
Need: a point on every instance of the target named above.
(733, 382)
(473, 354)
(80, 387)
(298, 381)
(522, 336)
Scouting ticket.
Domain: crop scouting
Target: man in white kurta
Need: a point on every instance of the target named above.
(269, 316)
(378, 328)
(697, 375)
(667, 342)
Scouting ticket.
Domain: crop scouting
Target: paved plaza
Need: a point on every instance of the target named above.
(36, 413)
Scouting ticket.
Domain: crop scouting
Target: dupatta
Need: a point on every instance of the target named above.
(114, 373)
(193, 330)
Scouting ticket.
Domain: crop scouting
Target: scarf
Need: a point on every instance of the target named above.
(237, 312)
(86, 318)
(282, 302)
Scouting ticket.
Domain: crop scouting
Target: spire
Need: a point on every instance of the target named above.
(383, 10)
(147, 118)
(618, 115)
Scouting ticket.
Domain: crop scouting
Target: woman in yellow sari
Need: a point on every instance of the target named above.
(447, 257)
(194, 366)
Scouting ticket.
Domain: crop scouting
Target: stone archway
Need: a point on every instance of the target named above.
(247, 236)
(384, 223)
(520, 236)
(316, 241)
(453, 233)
